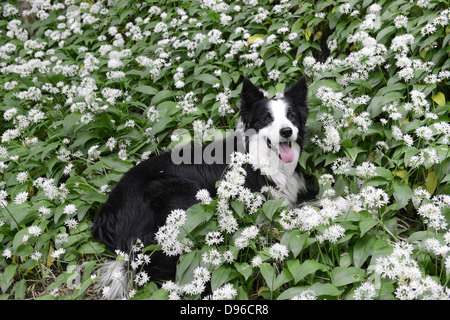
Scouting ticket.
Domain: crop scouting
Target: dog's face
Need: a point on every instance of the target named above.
(279, 123)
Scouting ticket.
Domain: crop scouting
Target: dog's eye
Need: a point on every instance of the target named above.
(267, 118)
(291, 116)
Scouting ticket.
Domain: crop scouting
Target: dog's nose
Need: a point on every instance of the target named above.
(286, 132)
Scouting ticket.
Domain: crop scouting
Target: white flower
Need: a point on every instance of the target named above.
(213, 238)
(34, 230)
(274, 74)
(278, 252)
(141, 278)
(363, 121)
(400, 21)
(213, 257)
(432, 216)
(57, 253)
(326, 178)
(331, 142)
(366, 170)
(226, 292)
(70, 209)
(373, 197)
(22, 177)
(256, 261)
(365, 291)
(7, 253)
(36, 256)
(308, 294)
(71, 223)
(332, 234)
(21, 197)
(203, 196)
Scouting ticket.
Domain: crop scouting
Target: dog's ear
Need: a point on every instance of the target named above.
(249, 95)
(297, 96)
(297, 93)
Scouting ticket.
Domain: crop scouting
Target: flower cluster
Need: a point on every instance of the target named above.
(167, 235)
(411, 284)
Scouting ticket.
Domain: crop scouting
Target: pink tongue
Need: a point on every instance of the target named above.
(286, 153)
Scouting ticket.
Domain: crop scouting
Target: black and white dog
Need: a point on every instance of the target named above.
(273, 131)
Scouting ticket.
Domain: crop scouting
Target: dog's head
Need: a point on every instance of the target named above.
(279, 123)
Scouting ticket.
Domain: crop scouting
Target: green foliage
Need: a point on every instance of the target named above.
(91, 89)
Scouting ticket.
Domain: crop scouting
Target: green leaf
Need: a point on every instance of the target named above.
(284, 277)
(220, 276)
(268, 273)
(402, 194)
(362, 249)
(253, 38)
(271, 206)
(238, 207)
(147, 90)
(207, 78)
(244, 269)
(92, 248)
(159, 294)
(185, 263)
(18, 214)
(294, 241)
(116, 164)
(8, 276)
(301, 270)
(439, 98)
(366, 224)
(162, 95)
(344, 276)
(320, 289)
(195, 216)
(19, 290)
(385, 173)
(431, 181)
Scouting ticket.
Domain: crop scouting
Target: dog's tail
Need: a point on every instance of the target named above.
(115, 279)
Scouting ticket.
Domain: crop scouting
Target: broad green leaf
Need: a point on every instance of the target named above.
(271, 206)
(362, 249)
(301, 270)
(92, 248)
(19, 290)
(402, 194)
(244, 269)
(366, 224)
(185, 263)
(284, 277)
(439, 98)
(385, 173)
(220, 276)
(195, 216)
(8, 276)
(116, 164)
(161, 96)
(268, 273)
(159, 294)
(294, 241)
(207, 78)
(343, 276)
(431, 181)
(146, 89)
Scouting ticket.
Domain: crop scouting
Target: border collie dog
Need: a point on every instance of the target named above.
(273, 131)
